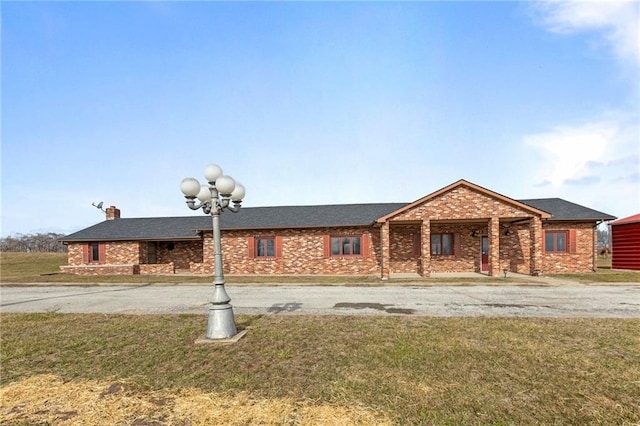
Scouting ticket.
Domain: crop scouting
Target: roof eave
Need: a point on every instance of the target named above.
(262, 228)
(88, 240)
(580, 219)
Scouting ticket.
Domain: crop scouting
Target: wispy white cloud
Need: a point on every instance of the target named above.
(615, 24)
(566, 151)
(594, 162)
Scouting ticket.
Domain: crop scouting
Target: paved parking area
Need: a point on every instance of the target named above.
(619, 301)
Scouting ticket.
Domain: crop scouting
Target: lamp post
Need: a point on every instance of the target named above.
(214, 198)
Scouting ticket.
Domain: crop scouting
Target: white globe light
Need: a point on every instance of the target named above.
(225, 185)
(238, 192)
(190, 187)
(212, 172)
(204, 194)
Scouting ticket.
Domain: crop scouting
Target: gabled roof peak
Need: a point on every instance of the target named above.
(543, 214)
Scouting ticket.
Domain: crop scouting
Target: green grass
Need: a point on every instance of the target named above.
(415, 370)
(605, 274)
(20, 265)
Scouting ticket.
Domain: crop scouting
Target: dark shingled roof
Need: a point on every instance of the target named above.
(174, 228)
(565, 210)
(325, 216)
(143, 228)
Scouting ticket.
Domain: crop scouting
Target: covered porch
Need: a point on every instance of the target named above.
(474, 246)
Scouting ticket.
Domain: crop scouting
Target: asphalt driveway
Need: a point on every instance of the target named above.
(620, 301)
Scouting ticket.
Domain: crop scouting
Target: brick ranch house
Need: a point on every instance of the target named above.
(460, 228)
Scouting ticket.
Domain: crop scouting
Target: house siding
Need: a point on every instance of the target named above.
(515, 249)
(582, 259)
(404, 256)
(302, 253)
(461, 203)
(131, 257)
(122, 252)
(74, 254)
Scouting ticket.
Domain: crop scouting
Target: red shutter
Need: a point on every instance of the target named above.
(364, 245)
(251, 243)
(544, 241)
(85, 253)
(102, 258)
(327, 245)
(572, 241)
(278, 243)
(416, 245)
(457, 245)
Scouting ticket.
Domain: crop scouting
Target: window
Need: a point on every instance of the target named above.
(345, 246)
(441, 244)
(555, 241)
(265, 247)
(152, 252)
(93, 253)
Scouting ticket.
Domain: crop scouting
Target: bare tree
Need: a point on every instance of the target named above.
(41, 242)
(604, 241)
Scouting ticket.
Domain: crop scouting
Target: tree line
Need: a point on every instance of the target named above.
(42, 242)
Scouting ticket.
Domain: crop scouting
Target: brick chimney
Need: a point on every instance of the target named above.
(113, 213)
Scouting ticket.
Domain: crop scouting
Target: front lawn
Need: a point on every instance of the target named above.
(105, 369)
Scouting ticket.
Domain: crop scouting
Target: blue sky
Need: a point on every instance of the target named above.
(314, 103)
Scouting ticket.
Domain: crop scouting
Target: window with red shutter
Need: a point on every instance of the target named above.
(344, 245)
(556, 242)
(265, 247)
(441, 244)
(94, 253)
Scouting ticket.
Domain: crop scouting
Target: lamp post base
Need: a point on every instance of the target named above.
(222, 324)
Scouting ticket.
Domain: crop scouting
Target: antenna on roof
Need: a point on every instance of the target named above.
(99, 206)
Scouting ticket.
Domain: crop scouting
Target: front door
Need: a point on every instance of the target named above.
(484, 263)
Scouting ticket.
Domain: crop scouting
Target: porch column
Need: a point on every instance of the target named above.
(535, 232)
(384, 251)
(425, 248)
(494, 247)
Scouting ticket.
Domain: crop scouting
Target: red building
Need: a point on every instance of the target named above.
(625, 243)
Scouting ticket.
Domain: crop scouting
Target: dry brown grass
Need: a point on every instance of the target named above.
(47, 399)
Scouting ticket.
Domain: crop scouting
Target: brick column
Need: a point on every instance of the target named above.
(425, 248)
(494, 247)
(535, 231)
(385, 258)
